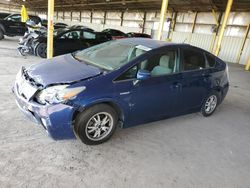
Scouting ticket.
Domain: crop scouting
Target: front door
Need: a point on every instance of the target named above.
(155, 97)
(15, 26)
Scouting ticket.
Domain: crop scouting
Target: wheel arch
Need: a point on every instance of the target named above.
(111, 103)
(219, 91)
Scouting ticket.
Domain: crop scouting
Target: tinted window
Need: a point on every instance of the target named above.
(88, 35)
(193, 60)
(157, 65)
(15, 18)
(210, 60)
(71, 35)
(36, 19)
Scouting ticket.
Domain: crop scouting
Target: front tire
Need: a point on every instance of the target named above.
(96, 125)
(210, 104)
(41, 50)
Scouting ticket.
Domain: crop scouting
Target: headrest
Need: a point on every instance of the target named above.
(164, 61)
(138, 52)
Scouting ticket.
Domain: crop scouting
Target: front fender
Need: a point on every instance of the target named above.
(117, 105)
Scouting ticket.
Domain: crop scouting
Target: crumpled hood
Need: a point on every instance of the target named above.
(61, 69)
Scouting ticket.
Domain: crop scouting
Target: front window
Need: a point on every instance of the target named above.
(14, 18)
(111, 55)
(158, 65)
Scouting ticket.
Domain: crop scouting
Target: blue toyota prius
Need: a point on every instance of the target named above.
(123, 83)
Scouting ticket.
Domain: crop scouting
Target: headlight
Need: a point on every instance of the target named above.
(59, 93)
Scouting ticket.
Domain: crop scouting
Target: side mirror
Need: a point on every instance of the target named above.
(143, 75)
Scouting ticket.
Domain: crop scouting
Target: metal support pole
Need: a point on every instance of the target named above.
(223, 26)
(164, 7)
(193, 27)
(243, 43)
(248, 64)
(194, 22)
(80, 16)
(122, 18)
(104, 17)
(50, 29)
(91, 16)
(171, 29)
(71, 15)
(217, 20)
(144, 21)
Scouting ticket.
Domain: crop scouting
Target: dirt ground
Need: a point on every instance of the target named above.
(187, 151)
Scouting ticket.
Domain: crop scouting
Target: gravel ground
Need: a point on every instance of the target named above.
(186, 151)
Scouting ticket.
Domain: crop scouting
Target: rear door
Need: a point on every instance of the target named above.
(15, 26)
(195, 79)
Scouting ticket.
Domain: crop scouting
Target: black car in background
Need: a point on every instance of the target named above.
(115, 34)
(57, 25)
(80, 27)
(3, 15)
(68, 41)
(12, 25)
(141, 35)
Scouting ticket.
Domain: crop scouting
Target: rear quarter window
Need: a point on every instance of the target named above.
(210, 60)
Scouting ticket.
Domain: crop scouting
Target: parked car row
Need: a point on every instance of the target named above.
(66, 39)
(12, 25)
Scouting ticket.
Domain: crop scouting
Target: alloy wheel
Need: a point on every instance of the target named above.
(210, 104)
(99, 126)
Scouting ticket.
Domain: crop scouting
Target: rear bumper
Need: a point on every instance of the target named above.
(224, 91)
(55, 119)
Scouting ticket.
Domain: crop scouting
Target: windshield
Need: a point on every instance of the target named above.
(111, 55)
(59, 31)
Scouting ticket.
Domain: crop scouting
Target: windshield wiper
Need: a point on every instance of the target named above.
(88, 62)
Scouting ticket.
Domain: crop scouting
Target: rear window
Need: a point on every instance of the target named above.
(193, 60)
(210, 60)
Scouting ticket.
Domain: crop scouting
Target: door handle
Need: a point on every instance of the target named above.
(176, 85)
(206, 75)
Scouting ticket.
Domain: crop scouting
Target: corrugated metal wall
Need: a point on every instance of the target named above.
(180, 37)
(246, 53)
(201, 37)
(230, 48)
(201, 40)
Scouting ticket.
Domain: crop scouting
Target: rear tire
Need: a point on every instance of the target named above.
(96, 124)
(41, 50)
(1, 34)
(210, 104)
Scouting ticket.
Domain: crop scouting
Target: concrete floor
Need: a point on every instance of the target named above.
(187, 151)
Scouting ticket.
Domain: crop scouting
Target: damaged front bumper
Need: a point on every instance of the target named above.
(56, 119)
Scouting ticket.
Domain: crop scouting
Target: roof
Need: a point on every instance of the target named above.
(124, 5)
(150, 43)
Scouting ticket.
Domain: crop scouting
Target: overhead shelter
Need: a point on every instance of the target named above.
(173, 5)
(219, 8)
